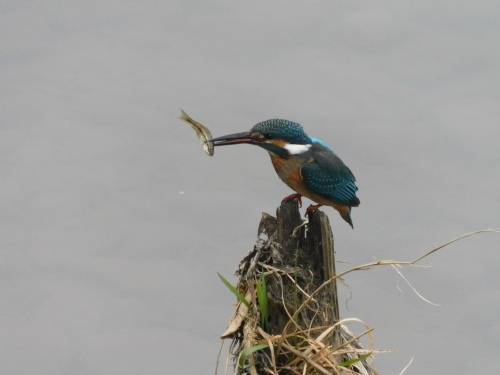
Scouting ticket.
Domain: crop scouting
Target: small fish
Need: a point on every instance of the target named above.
(202, 131)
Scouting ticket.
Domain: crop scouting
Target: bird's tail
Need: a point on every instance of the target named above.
(346, 215)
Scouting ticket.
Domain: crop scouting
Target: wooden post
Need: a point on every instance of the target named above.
(295, 259)
(310, 254)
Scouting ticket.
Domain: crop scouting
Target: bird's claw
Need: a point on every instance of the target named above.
(311, 209)
(292, 196)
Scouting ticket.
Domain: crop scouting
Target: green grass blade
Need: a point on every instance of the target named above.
(234, 290)
(354, 360)
(262, 298)
(246, 352)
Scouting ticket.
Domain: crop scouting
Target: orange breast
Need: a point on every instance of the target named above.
(289, 172)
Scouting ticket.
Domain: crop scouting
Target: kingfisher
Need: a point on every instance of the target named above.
(307, 165)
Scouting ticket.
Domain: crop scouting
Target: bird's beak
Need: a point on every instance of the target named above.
(233, 139)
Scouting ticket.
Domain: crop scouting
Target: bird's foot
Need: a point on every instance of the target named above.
(312, 208)
(292, 196)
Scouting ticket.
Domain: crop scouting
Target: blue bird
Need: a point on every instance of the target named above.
(305, 164)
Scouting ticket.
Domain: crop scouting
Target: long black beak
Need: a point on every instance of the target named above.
(234, 139)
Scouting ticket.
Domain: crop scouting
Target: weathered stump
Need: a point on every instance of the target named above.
(307, 253)
(293, 261)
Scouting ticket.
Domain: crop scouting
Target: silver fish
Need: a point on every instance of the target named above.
(202, 132)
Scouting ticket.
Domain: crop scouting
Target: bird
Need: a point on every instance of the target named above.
(307, 165)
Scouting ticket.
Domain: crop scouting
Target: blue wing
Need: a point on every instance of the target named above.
(327, 175)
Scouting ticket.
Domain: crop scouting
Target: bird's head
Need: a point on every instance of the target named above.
(281, 137)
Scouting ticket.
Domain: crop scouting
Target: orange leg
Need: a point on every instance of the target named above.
(312, 208)
(293, 196)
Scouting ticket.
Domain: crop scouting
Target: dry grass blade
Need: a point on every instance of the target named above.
(395, 266)
(269, 341)
(406, 367)
(306, 359)
(385, 263)
(238, 317)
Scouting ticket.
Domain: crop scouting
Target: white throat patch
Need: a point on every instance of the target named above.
(296, 149)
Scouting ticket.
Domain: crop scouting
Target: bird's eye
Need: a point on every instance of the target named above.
(267, 136)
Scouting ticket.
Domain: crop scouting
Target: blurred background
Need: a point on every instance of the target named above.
(114, 222)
